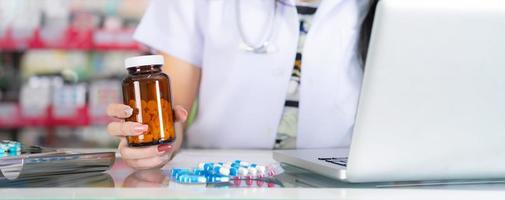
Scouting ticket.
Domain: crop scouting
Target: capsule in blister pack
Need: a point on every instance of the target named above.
(10, 146)
(224, 172)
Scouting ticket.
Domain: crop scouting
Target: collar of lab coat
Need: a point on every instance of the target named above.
(324, 8)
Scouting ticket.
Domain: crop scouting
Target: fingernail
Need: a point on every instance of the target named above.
(128, 112)
(140, 128)
(164, 147)
(184, 118)
(185, 115)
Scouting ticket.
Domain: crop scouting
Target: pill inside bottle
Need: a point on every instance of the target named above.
(147, 91)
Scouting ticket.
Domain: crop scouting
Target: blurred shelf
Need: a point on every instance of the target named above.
(12, 117)
(71, 39)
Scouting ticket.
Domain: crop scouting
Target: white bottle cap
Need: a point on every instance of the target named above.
(143, 60)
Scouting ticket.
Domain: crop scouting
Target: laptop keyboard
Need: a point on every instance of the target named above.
(337, 161)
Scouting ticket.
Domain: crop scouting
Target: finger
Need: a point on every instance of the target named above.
(126, 128)
(149, 163)
(181, 114)
(119, 111)
(143, 152)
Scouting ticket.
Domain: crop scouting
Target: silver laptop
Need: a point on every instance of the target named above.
(432, 106)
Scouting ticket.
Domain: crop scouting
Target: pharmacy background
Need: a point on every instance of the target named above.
(61, 64)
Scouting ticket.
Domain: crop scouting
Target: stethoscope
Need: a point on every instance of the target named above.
(265, 45)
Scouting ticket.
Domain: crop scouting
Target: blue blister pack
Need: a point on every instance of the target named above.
(221, 172)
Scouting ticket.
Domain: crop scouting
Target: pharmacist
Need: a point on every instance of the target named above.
(265, 73)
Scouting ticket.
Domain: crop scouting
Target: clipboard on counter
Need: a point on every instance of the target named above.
(35, 162)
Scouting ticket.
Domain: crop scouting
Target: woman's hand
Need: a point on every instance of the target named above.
(142, 157)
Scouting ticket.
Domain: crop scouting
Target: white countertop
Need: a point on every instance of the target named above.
(124, 178)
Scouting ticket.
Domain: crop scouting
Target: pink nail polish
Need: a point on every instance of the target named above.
(140, 128)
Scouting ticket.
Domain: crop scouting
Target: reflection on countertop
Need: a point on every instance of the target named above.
(122, 176)
(146, 178)
(160, 178)
(69, 180)
(122, 182)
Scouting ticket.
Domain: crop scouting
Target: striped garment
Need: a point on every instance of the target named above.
(288, 126)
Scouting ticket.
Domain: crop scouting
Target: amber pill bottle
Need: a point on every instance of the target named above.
(146, 89)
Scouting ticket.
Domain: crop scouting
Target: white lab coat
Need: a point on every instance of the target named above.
(242, 94)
